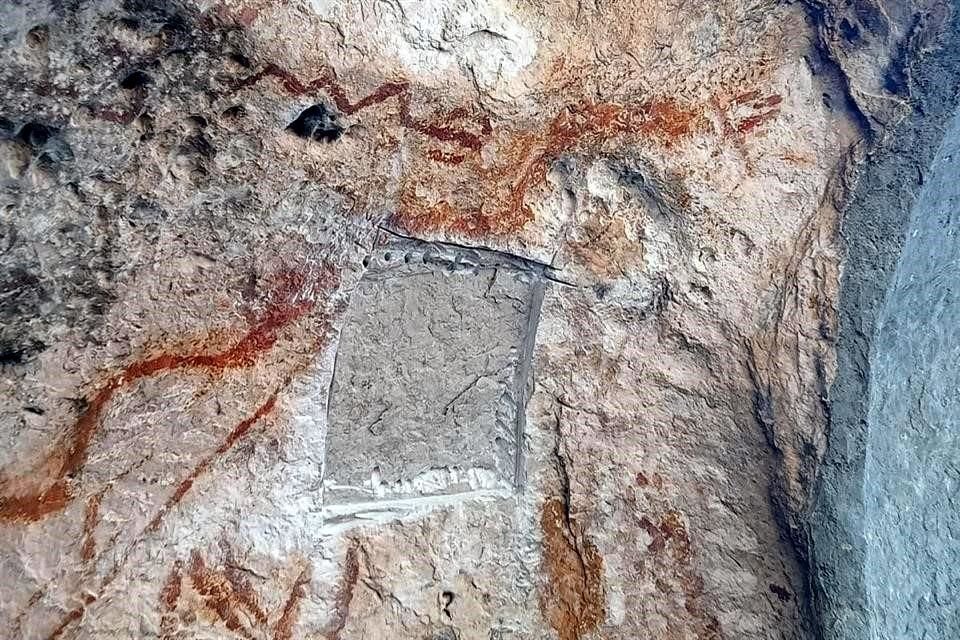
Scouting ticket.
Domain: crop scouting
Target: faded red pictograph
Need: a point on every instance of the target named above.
(293, 298)
(223, 595)
(494, 200)
(439, 127)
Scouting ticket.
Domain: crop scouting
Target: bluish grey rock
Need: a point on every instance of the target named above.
(912, 475)
(883, 528)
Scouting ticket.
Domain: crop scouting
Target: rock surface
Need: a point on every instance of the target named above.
(875, 222)
(456, 319)
(911, 474)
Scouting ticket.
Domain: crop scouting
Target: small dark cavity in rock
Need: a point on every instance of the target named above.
(198, 145)
(135, 80)
(35, 134)
(12, 354)
(38, 36)
(850, 31)
(46, 142)
(55, 152)
(236, 111)
(240, 60)
(319, 123)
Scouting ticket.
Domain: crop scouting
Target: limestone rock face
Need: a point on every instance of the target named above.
(913, 446)
(447, 319)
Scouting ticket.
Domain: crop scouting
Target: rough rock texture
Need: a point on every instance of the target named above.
(911, 474)
(457, 319)
(875, 222)
(431, 369)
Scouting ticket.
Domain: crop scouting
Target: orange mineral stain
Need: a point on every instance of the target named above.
(573, 600)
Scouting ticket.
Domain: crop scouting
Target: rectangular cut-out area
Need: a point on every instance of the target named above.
(428, 388)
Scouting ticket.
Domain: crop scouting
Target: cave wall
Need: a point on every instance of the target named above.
(911, 476)
(875, 223)
(453, 319)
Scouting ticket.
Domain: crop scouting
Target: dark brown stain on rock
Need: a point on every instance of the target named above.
(671, 562)
(657, 541)
(653, 480)
(169, 598)
(291, 608)
(344, 595)
(170, 594)
(674, 531)
(91, 517)
(72, 616)
(573, 600)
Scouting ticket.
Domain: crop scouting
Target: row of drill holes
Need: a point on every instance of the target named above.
(407, 258)
(387, 257)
